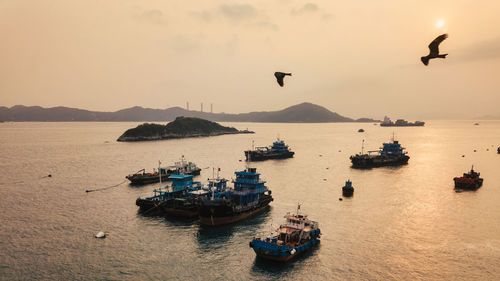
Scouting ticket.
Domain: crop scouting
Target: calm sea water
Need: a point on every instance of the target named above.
(402, 223)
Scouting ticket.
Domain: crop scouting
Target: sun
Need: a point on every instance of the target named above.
(440, 23)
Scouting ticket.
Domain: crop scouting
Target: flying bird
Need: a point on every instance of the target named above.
(280, 76)
(434, 49)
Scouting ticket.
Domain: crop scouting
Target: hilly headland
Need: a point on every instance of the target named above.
(181, 127)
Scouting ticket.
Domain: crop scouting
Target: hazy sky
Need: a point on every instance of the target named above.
(358, 58)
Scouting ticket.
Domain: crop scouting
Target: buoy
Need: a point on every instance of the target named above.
(100, 234)
(340, 198)
(474, 150)
(49, 176)
(463, 155)
(327, 168)
(324, 179)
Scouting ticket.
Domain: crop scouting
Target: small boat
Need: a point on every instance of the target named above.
(476, 124)
(361, 131)
(469, 181)
(298, 235)
(347, 189)
(498, 150)
(279, 150)
(162, 174)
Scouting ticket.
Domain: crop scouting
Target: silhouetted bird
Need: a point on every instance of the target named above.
(280, 76)
(434, 49)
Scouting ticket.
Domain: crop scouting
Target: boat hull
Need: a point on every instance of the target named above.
(167, 208)
(256, 156)
(222, 214)
(378, 161)
(144, 179)
(460, 184)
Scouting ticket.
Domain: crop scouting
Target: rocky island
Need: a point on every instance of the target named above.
(181, 127)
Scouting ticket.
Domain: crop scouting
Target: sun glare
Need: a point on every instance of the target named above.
(440, 23)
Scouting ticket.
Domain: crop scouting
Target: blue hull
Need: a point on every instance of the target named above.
(271, 251)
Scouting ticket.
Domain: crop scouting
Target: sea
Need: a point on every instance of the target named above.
(403, 223)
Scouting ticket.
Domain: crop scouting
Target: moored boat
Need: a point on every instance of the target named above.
(162, 174)
(347, 189)
(279, 150)
(298, 235)
(470, 180)
(249, 196)
(175, 199)
(391, 154)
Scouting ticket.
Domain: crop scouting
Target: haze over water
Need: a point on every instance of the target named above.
(402, 223)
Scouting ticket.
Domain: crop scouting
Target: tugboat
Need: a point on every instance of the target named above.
(248, 197)
(469, 181)
(347, 189)
(361, 130)
(279, 150)
(180, 168)
(176, 199)
(298, 235)
(392, 154)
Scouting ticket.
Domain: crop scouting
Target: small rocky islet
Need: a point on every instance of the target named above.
(181, 127)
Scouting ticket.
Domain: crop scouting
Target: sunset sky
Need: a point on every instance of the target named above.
(358, 58)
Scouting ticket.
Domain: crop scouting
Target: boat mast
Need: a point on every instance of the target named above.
(159, 171)
(362, 146)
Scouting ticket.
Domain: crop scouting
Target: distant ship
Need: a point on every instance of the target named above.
(392, 154)
(180, 168)
(400, 123)
(470, 180)
(248, 197)
(279, 150)
(298, 235)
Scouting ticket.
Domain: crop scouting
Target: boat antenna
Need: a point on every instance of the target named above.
(213, 172)
(298, 208)
(392, 136)
(253, 145)
(362, 146)
(218, 170)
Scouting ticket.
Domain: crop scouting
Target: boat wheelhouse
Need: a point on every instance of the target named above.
(248, 196)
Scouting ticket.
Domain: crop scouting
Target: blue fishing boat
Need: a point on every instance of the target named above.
(298, 235)
(248, 197)
(391, 154)
(279, 150)
(176, 199)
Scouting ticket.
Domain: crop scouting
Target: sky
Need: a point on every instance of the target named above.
(357, 58)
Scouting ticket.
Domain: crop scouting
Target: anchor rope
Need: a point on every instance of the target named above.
(104, 188)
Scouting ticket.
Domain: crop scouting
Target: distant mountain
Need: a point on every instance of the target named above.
(300, 113)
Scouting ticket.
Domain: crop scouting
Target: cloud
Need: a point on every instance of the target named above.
(308, 8)
(238, 12)
(153, 16)
(480, 51)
